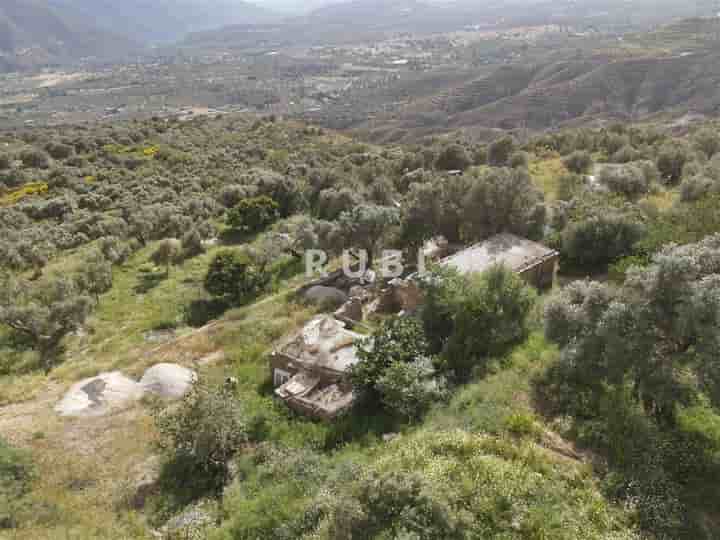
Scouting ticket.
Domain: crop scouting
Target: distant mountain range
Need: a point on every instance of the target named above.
(39, 32)
(676, 71)
(164, 20)
(32, 32)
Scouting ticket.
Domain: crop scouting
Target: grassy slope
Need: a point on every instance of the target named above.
(86, 467)
(545, 173)
(499, 406)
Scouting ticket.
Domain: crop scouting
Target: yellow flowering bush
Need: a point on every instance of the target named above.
(30, 189)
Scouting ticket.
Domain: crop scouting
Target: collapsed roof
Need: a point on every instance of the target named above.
(323, 343)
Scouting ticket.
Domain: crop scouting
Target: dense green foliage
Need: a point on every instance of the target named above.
(600, 241)
(16, 475)
(201, 436)
(396, 370)
(453, 158)
(364, 226)
(168, 252)
(44, 312)
(470, 320)
(233, 277)
(500, 151)
(641, 362)
(253, 215)
(579, 162)
(474, 207)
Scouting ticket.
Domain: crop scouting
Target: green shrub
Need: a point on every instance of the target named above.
(500, 151)
(453, 157)
(626, 154)
(35, 159)
(519, 160)
(618, 271)
(202, 435)
(442, 288)
(16, 476)
(521, 424)
(614, 142)
(707, 141)
(410, 389)
(599, 241)
(234, 278)
(167, 253)
(480, 155)
(253, 215)
(59, 151)
(569, 185)
(396, 505)
(192, 245)
(579, 162)
(695, 188)
(488, 318)
(397, 341)
(670, 162)
(627, 180)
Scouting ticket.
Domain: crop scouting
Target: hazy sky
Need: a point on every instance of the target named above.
(294, 5)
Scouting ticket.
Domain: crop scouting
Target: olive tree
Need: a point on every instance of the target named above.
(487, 318)
(234, 278)
(192, 244)
(671, 160)
(45, 312)
(421, 214)
(503, 200)
(627, 180)
(96, 276)
(167, 253)
(453, 157)
(35, 159)
(253, 215)
(364, 226)
(579, 162)
(395, 369)
(202, 435)
(707, 141)
(660, 331)
(600, 240)
(500, 151)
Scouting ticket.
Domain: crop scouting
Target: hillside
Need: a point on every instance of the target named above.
(164, 20)
(644, 75)
(32, 32)
(498, 413)
(38, 32)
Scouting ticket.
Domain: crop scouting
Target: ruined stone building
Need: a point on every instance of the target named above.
(309, 368)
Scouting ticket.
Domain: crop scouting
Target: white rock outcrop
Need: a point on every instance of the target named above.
(169, 381)
(99, 395)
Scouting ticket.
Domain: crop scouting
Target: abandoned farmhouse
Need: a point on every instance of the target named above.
(309, 368)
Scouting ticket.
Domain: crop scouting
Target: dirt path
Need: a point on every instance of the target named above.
(20, 421)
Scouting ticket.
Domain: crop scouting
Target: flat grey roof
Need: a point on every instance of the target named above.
(518, 254)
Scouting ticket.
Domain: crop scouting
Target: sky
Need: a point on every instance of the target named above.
(294, 6)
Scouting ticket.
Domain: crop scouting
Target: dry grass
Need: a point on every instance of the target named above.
(87, 466)
(663, 200)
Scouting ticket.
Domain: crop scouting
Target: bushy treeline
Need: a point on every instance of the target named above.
(640, 376)
(605, 214)
(409, 364)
